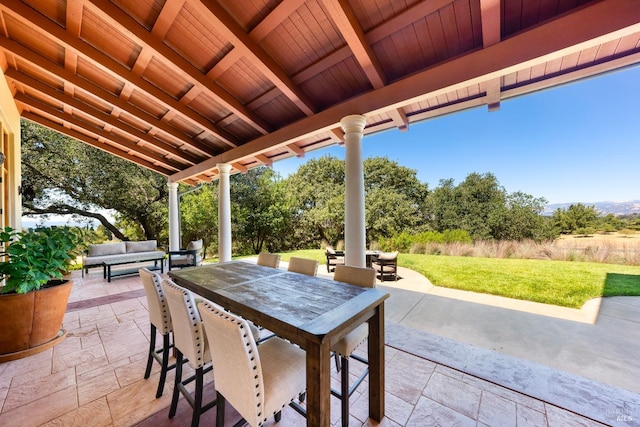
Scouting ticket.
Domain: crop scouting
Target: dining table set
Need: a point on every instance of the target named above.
(313, 313)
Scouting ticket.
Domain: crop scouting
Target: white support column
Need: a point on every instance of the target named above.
(224, 213)
(174, 217)
(354, 227)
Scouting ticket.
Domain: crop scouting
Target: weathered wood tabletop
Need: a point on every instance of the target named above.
(312, 312)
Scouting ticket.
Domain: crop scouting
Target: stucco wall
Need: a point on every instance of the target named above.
(10, 202)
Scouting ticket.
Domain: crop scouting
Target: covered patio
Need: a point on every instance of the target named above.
(199, 90)
(95, 377)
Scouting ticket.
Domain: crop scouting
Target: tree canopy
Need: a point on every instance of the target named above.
(63, 176)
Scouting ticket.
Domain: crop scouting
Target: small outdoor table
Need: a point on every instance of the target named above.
(313, 312)
(107, 273)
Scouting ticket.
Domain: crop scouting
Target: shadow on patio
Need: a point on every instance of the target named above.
(435, 375)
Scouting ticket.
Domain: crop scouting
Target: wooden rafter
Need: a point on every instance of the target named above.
(342, 14)
(71, 80)
(554, 39)
(40, 24)
(490, 11)
(249, 83)
(225, 24)
(105, 118)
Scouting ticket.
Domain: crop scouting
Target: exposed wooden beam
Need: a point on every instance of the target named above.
(554, 39)
(227, 25)
(128, 146)
(107, 119)
(346, 21)
(165, 19)
(224, 64)
(490, 18)
(240, 168)
(264, 160)
(299, 152)
(74, 17)
(399, 119)
(337, 135)
(129, 26)
(275, 18)
(41, 24)
(492, 90)
(407, 17)
(412, 14)
(94, 142)
(69, 79)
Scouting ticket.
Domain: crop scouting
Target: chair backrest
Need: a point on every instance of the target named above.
(303, 265)
(236, 363)
(388, 256)
(188, 331)
(269, 260)
(365, 277)
(196, 245)
(158, 309)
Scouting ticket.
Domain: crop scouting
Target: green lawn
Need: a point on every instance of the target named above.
(564, 283)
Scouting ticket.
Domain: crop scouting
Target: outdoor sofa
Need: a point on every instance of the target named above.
(106, 255)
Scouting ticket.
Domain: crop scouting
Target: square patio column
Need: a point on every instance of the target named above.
(174, 217)
(354, 227)
(224, 213)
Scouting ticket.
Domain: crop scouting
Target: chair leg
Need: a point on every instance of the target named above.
(152, 349)
(176, 389)
(344, 391)
(220, 409)
(337, 358)
(165, 365)
(197, 400)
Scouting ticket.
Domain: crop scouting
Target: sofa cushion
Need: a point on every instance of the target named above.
(194, 245)
(144, 246)
(106, 249)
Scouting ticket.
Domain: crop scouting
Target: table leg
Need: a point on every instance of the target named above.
(318, 384)
(376, 364)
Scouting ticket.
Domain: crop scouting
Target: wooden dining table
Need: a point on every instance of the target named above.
(312, 312)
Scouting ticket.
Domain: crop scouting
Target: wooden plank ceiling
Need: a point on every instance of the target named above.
(179, 86)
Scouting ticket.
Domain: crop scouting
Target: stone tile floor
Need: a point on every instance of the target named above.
(95, 378)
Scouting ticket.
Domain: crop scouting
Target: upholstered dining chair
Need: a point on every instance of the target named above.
(257, 380)
(364, 277)
(160, 321)
(268, 260)
(303, 266)
(191, 342)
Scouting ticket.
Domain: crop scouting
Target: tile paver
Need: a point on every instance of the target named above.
(94, 378)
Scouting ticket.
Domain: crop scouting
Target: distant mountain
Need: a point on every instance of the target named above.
(616, 208)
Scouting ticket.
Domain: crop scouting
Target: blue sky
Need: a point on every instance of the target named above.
(575, 143)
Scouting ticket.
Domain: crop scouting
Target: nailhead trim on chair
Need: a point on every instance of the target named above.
(194, 314)
(166, 318)
(247, 343)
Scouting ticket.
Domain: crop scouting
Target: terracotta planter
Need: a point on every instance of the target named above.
(31, 322)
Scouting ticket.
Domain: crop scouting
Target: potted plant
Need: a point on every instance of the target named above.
(34, 293)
